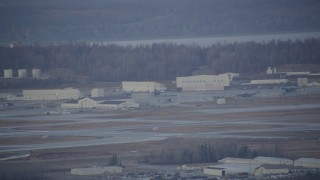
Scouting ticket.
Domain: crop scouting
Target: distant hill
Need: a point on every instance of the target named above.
(70, 20)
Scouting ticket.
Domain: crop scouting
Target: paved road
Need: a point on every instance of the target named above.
(139, 133)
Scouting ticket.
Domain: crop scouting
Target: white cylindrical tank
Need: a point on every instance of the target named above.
(36, 73)
(7, 73)
(96, 92)
(22, 73)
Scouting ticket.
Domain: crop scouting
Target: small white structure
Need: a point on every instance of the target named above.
(97, 92)
(96, 170)
(302, 82)
(36, 73)
(22, 73)
(101, 103)
(204, 82)
(269, 81)
(221, 101)
(307, 162)
(271, 70)
(273, 160)
(271, 169)
(7, 73)
(235, 160)
(51, 94)
(143, 86)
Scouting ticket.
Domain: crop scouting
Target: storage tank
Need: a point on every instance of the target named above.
(22, 73)
(7, 73)
(36, 73)
(96, 92)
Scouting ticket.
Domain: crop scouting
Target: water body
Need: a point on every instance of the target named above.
(210, 40)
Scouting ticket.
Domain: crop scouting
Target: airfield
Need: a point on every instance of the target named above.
(90, 137)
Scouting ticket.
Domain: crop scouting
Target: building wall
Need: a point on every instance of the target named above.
(52, 94)
(211, 171)
(273, 160)
(269, 81)
(203, 82)
(263, 171)
(307, 162)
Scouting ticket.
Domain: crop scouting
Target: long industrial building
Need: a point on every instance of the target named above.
(143, 86)
(205, 82)
(51, 94)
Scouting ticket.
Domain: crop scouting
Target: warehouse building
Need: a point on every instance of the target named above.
(273, 160)
(271, 169)
(51, 94)
(307, 162)
(101, 103)
(205, 82)
(144, 86)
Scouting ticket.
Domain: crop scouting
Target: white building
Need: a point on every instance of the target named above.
(96, 92)
(273, 160)
(271, 169)
(96, 170)
(307, 162)
(143, 86)
(51, 94)
(231, 169)
(22, 73)
(204, 82)
(269, 81)
(7, 73)
(101, 103)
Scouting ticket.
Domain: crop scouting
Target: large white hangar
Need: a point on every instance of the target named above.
(51, 94)
(142, 86)
(205, 82)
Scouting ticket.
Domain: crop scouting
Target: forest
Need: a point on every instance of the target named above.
(94, 20)
(158, 61)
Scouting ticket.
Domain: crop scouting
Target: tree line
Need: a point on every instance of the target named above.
(163, 61)
(207, 153)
